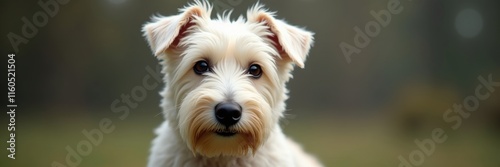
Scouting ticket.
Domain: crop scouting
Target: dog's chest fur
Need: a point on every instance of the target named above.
(276, 152)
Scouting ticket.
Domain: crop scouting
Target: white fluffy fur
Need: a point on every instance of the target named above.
(187, 137)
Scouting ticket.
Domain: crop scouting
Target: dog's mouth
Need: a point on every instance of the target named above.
(225, 132)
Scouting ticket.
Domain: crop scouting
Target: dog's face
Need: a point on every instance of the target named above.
(225, 80)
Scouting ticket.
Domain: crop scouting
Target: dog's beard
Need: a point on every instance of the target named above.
(206, 137)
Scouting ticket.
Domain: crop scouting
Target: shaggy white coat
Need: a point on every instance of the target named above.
(187, 138)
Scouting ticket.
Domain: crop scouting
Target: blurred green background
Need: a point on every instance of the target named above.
(364, 113)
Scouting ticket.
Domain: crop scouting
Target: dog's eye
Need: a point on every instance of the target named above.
(255, 71)
(201, 67)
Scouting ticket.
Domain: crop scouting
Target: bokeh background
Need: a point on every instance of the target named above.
(364, 113)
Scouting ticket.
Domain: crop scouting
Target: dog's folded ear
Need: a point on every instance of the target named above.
(293, 41)
(165, 32)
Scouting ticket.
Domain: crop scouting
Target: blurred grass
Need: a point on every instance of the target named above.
(336, 142)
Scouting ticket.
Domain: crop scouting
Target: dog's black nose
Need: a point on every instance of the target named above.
(228, 113)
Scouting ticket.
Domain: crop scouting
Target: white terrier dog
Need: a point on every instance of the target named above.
(225, 88)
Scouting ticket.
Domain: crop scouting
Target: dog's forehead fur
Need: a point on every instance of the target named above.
(221, 39)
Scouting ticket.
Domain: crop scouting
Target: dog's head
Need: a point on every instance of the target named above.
(225, 80)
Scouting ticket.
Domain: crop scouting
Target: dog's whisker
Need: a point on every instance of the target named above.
(158, 114)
